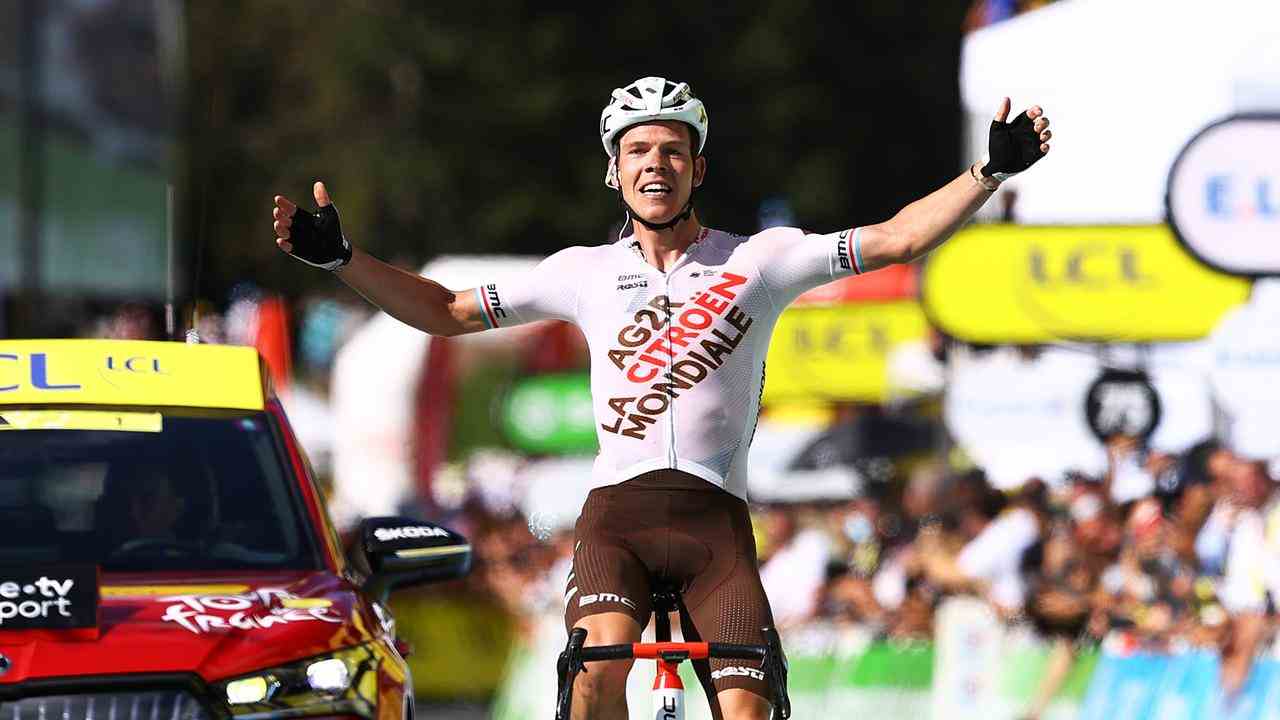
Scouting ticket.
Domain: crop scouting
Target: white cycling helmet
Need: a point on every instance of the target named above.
(648, 99)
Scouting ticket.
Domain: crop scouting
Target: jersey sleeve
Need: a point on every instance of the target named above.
(793, 261)
(548, 292)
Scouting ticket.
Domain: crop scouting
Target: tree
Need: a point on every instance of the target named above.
(471, 127)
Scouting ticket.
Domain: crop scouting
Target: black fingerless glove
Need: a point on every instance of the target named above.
(317, 239)
(1012, 148)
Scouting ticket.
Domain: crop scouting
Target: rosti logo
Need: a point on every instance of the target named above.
(631, 281)
(737, 671)
(37, 373)
(678, 344)
(41, 599)
(409, 533)
(258, 610)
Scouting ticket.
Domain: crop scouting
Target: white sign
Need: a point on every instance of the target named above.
(1224, 195)
(1020, 418)
(1246, 372)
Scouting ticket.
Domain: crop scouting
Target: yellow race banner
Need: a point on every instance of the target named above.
(151, 422)
(1032, 284)
(129, 372)
(838, 352)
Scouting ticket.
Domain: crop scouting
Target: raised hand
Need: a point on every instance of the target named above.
(1015, 146)
(314, 238)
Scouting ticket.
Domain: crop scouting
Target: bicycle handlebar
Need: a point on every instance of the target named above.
(574, 657)
(686, 650)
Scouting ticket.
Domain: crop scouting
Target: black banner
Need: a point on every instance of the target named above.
(53, 597)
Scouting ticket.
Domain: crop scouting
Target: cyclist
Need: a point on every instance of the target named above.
(677, 319)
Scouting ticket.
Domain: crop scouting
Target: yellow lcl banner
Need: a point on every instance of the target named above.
(839, 352)
(1031, 284)
(129, 372)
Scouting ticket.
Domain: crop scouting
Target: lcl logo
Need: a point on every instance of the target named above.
(1230, 197)
(1098, 265)
(138, 364)
(871, 338)
(37, 373)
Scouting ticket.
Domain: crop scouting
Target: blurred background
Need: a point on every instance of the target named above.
(1032, 476)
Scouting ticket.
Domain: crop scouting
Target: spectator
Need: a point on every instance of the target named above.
(991, 563)
(1252, 578)
(794, 574)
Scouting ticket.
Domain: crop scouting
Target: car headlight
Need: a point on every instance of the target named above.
(341, 682)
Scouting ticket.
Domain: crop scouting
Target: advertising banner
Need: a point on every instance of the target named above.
(551, 414)
(1246, 372)
(1036, 284)
(128, 372)
(838, 352)
(1224, 195)
(834, 671)
(837, 671)
(1178, 687)
(1022, 417)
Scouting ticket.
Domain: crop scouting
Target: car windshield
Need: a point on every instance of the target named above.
(174, 492)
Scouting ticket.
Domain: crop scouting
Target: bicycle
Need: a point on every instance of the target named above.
(668, 690)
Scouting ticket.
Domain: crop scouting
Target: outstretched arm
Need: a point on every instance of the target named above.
(927, 222)
(411, 299)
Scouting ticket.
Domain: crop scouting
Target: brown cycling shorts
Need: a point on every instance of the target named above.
(674, 527)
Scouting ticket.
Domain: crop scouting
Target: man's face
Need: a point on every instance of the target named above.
(1250, 485)
(155, 509)
(657, 170)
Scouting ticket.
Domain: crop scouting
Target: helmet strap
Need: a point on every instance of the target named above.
(680, 217)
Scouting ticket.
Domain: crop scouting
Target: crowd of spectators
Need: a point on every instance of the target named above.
(1161, 553)
(1078, 558)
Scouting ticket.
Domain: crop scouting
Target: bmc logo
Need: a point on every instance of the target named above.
(406, 533)
(735, 671)
(842, 249)
(495, 304)
(586, 600)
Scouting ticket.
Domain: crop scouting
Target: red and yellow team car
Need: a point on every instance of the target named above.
(165, 554)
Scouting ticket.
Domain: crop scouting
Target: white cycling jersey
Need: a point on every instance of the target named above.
(677, 358)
